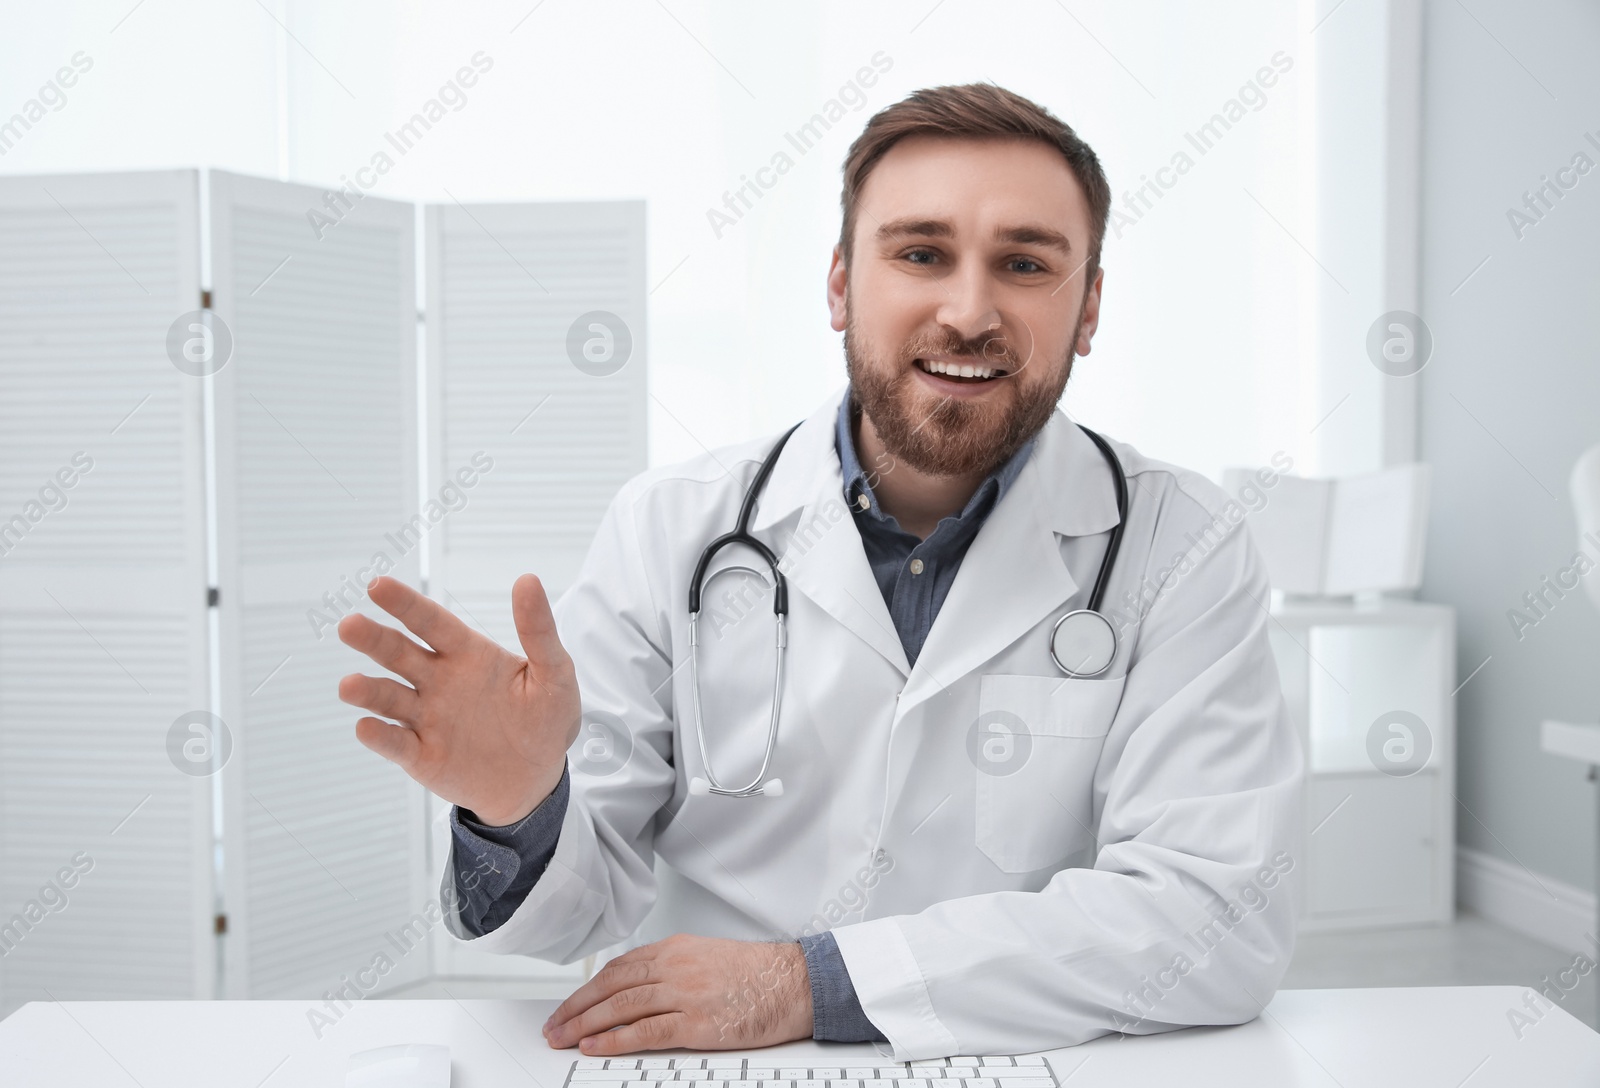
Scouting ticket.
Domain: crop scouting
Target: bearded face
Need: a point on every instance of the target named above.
(949, 405)
(968, 290)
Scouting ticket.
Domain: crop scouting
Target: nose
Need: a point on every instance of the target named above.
(968, 304)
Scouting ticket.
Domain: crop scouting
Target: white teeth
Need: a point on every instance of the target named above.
(965, 370)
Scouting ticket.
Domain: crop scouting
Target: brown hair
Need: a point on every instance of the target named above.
(974, 110)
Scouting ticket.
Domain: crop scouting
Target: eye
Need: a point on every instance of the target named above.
(914, 256)
(1032, 265)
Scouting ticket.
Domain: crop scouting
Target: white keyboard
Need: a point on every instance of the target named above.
(988, 1072)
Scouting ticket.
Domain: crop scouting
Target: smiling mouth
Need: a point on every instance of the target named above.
(966, 373)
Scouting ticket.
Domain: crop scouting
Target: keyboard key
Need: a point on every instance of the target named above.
(757, 1072)
(622, 1063)
(1031, 1059)
(725, 1063)
(1025, 1082)
(589, 1063)
(794, 1074)
(910, 1082)
(694, 1074)
(860, 1073)
(594, 1076)
(993, 1059)
(827, 1074)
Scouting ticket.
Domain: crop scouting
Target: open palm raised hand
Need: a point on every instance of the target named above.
(477, 725)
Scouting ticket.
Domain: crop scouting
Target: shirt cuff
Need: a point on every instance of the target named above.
(496, 867)
(836, 1013)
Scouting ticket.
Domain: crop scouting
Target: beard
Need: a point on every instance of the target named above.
(956, 436)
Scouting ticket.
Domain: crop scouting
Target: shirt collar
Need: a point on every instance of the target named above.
(856, 477)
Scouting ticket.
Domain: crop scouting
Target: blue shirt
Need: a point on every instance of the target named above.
(914, 575)
(496, 867)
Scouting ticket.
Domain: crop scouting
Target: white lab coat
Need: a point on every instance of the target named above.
(1126, 875)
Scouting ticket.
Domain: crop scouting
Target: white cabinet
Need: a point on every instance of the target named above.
(1371, 686)
(1373, 857)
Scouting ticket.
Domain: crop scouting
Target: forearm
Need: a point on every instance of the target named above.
(1148, 941)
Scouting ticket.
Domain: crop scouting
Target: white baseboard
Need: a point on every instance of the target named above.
(1539, 906)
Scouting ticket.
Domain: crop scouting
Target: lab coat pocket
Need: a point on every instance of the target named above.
(1035, 745)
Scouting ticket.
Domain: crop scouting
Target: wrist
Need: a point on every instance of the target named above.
(793, 959)
(506, 815)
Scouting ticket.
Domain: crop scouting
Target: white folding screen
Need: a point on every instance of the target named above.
(537, 395)
(109, 756)
(106, 884)
(536, 334)
(324, 850)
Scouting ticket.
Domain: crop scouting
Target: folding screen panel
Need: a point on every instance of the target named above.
(317, 492)
(536, 395)
(106, 746)
(109, 754)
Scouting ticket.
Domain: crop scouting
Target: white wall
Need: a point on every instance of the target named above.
(1511, 398)
(1202, 356)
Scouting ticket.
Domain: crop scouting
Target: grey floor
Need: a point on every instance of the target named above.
(1469, 952)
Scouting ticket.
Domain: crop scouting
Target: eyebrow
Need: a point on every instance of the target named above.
(939, 228)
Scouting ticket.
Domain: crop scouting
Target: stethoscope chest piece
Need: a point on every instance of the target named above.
(1083, 643)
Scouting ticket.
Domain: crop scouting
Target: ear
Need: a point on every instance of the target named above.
(837, 311)
(1091, 314)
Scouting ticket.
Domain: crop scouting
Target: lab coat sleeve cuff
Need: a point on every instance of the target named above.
(892, 991)
(836, 1014)
(496, 867)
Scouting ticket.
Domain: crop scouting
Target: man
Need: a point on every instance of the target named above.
(971, 852)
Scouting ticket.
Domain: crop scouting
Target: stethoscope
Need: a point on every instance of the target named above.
(1083, 642)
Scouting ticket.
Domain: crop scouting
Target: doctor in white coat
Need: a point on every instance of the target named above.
(1007, 859)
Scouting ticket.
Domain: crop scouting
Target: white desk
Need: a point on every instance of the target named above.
(1413, 1037)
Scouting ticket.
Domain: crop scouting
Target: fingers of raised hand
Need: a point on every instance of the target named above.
(536, 625)
(381, 695)
(429, 620)
(386, 646)
(396, 743)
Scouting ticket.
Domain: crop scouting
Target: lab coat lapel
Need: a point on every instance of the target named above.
(820, 552)
(1013, 575)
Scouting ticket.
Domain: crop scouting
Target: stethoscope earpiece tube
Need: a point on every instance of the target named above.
(760, 785)
(1083, 642)
(1113, 545)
